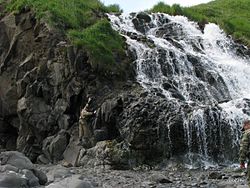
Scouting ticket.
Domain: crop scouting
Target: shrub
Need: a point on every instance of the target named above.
(176, 9)
(114, 8)
(161, 7)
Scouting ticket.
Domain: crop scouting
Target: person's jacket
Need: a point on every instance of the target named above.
(244, 146)
(84, 114)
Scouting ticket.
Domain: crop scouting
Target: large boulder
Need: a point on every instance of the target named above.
(16, 170)
(11, 179)
(141, 22)
(16, 159)
(54, 146)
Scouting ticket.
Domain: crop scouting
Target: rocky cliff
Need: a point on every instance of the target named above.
(171, 102)
(44, 84)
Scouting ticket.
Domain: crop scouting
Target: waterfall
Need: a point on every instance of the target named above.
(204, 69)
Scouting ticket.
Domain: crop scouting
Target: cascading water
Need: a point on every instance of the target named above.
(203, 69)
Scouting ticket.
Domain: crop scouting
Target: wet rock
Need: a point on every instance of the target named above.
(73, 182)
(58, 145)
(95, 156)
(215, 175)
(72, 152)
(164, 180)
(57, 173)
(41, 176)
(7, 167)
(239, 175)
(55, 146)
(41, 159)
(141, 22)
(203, 183)
(159, 178)
(16, 170)
(177, 94)
(242, 186)
(12, 180)
(64, 122)
(32, 179)
(100, 135)
(66, 164)
(225, 185)
(144, 16)
(15, 159)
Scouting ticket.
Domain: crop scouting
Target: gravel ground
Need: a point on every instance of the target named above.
(219, 177)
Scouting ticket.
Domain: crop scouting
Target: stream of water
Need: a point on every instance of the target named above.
(174, 57)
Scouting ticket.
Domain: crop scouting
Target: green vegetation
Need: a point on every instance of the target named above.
(232, 16)
(175, 9)
(84, 22)
(2, 8)
(101, 41)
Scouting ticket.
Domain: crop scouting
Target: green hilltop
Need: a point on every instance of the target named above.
(232, 16)
(85, 25)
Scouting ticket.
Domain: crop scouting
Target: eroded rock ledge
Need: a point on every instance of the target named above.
(45, 82)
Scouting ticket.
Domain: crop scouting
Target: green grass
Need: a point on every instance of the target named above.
(232, 16)
(102, 42)
(175, 9)
(84, 23)
(2, 7)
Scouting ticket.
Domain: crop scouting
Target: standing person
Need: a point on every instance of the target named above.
(84, 129)
(245, 149)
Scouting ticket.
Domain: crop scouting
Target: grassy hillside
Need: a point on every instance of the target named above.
(232, 16)
(84, 23)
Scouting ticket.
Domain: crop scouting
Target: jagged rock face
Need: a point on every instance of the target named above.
(37, 84)
(44, 84)
(157, 128)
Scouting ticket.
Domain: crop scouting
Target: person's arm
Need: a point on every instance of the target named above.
(244, 146)
(86, 113)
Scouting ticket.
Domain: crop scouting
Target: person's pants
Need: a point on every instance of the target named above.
(81, 130)
(248, 174)
(84, 130)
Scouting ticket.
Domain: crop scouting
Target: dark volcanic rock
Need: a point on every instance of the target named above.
(143, 16)
(16, 170)
(142, 22)
(45, 82)
(215, 175)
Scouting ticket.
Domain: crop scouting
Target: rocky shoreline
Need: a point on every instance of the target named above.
(17, 171)
(172, 178)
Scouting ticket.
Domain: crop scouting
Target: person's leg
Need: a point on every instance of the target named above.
(80, 130)
(86, 130)
(248, 174)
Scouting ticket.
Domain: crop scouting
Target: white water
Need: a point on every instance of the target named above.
(214, 51)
